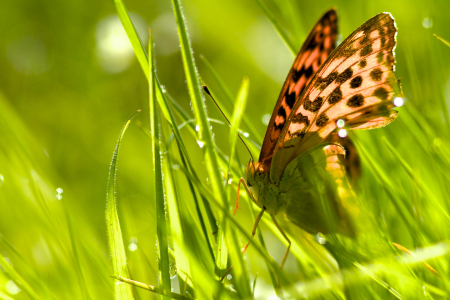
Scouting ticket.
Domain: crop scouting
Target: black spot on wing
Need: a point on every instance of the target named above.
(366, 50)
(356, 82)
(344, 76)
(376, 74)
(322, 120)
(362, 64)
(290, 99)
(335, 96)
(300, 119)
(381, 93)
(356, 101)
(322, 83)
(313, 106)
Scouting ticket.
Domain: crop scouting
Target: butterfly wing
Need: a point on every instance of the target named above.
(356, 84)
(326, 180)
(314, 52)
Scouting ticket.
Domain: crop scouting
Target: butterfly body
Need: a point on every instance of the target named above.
(299, 172)
(305, 180)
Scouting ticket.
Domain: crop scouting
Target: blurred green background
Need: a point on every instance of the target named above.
(69, 80)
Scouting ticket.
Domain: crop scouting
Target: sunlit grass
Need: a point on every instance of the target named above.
(401, 252)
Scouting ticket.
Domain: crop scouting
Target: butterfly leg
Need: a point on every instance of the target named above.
(258, 218)
(242, 180)
(285, 236)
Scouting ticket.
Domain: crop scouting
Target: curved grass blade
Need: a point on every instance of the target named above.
(162, 231)
(132, 35)
(206, 142)
(115, 239)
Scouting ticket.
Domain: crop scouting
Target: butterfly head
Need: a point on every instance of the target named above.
(255, 173)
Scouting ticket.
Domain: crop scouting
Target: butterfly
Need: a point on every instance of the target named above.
(300, 162)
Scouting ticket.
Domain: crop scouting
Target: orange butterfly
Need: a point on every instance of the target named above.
(353, 84)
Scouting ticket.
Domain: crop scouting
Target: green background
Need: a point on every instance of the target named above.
(69, 80)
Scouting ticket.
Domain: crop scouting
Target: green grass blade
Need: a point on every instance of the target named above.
(442, 40)
(238, 112)
(277, 26)
(152, 288)
(115, 239)
(229, 97)
(206, 142)
(379, 280)
(132, 35)
(161, 224)
(418, 181)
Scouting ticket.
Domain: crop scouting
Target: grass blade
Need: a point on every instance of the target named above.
(206, 142)
(132, 35)
(161, 223)
(277, 26)
(115, 239)
(152, 288)
(442, 40)
(238, 112)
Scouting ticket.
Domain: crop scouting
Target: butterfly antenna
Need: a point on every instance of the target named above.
(205, 88)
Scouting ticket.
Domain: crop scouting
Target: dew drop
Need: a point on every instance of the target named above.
(12, 288)
(246, 134)
(427, 23)
(266, 119)
(133, 244)
(230, 181)
(320, 239)
(340, 123)
(398, 101)
(197, 128)
(2, 179)
(229, 277)
(176, 167)
(200, 144)
(59, 192)
(342, 133)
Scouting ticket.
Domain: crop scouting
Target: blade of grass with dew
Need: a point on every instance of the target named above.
(238, 112)
(178, 235)
(186, 161)
(244, 231)
(207, 144)
(115, 239)
(162, 231)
